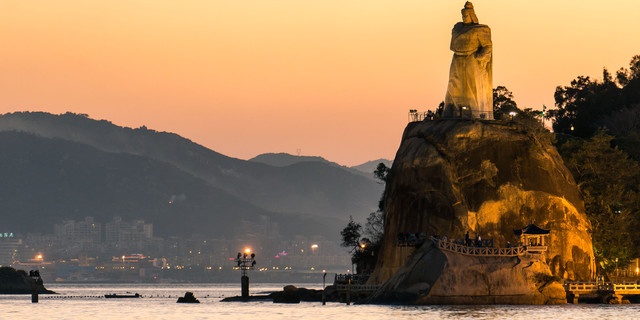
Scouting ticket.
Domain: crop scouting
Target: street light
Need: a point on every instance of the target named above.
(245, 263)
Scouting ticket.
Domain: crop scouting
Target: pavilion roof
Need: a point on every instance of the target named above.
(531, 229)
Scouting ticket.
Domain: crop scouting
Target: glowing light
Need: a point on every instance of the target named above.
(363, 246)
(314, 246)
(247, 250)
(39, 257)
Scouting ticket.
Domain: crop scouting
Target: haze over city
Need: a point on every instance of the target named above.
(329, 78)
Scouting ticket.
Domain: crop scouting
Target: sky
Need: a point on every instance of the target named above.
(330, 78)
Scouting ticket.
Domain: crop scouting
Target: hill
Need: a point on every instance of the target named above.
(369, 166)
(284, 159)
(258, 183)
(47, 180)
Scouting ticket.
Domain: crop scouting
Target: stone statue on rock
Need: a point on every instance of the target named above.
(470, 89)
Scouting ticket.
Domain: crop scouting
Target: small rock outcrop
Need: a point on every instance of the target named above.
(14, 281)
(188, 298)
(487, 178)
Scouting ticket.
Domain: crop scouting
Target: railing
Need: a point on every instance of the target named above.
(415, 116)
(481, 251)
(355, 278)
(357, 287)
(607, 286)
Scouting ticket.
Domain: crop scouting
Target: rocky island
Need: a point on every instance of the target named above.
(450, 177)
(14, 281)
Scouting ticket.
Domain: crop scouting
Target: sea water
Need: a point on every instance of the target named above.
(86, 301)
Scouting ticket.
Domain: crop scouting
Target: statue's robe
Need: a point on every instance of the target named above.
(470, 88)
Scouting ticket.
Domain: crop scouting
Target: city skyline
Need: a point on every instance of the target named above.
(327, 78)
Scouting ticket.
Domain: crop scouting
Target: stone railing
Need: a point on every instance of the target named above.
(481, 251)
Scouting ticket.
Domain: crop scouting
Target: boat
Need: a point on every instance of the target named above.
(115, 295)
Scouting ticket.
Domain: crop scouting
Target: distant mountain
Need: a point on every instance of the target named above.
(285, 159)
(310, 189)
(370, 166)
(46, 180)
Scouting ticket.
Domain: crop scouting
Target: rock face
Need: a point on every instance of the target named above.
(450, 177)
(14, 281)
(434, 276)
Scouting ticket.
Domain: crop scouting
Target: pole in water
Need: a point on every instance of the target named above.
(349, 292)
(324, 298)
(35, 277)
(245, 287)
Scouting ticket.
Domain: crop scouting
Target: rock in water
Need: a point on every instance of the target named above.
(188, 298)
(450, 177)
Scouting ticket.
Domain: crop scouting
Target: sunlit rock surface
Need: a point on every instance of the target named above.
(434, 276)
(450, 177)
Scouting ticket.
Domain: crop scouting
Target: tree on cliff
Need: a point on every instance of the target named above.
(503, 102)
(351, 235)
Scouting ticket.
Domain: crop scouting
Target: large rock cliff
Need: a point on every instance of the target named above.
(435, 276)
(450, 177)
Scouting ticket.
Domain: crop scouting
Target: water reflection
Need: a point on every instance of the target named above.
(156, 304)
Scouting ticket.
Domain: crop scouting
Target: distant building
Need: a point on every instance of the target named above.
(9, 247)
(86, 234)
(118, 231)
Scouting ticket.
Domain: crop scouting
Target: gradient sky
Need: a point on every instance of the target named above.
(333, 78)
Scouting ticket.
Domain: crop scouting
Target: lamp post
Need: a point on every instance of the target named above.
(324, 298)
(616, 269)
(245, 263)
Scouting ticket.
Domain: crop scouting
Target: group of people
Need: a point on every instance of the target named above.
(471, 242)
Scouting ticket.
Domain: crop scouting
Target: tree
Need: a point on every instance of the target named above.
(582, 106)
(351, 235)
(374, 227)
(503, 102)
(608, 180)
(381, 172)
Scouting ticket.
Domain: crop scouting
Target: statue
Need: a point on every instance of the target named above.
(470, 89)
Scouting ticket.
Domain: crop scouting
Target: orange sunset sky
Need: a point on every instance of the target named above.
(333, 78)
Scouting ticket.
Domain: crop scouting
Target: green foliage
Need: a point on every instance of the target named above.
(606, 115)
(582, 106)
(530, 122)
(608, 179)
(503, 103)
(351, 235)
(381, 172)
(374, 227)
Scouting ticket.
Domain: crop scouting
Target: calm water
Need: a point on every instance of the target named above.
(156, 304)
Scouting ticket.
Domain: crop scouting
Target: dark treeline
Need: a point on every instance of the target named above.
(597, 126)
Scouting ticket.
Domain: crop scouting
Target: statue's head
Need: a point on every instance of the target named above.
(468, 14)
